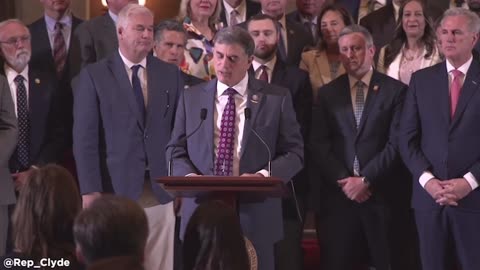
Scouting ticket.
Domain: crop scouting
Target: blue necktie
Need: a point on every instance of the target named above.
(137, 90)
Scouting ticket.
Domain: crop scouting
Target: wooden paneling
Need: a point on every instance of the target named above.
(7, 9)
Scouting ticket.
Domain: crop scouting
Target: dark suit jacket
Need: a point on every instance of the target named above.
(436, 8)
(381, 24)
(252, 9)
(189, 80)
(335, 139)
(352, 6)
(42, 51)
(294, 16)
(8, 142)
(112, 145)
(431, 141)
(94, 40)
(297, 81)
(48, 130)
(273, 118)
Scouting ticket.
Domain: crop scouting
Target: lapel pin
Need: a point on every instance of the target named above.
(474, 82)
(255, 98)
(291, 32)
(186, 86)
(375, 88)
(37, 80)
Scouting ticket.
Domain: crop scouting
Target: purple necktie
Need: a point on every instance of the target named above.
(224, 162)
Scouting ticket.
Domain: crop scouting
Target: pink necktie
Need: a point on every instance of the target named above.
(455, 90)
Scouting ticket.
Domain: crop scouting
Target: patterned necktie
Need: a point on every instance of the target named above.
(59, 49)
(23, 145)
(455, 90)
(263, 73)
(459, 3)
(281, 44)
(137, 90)
(359, 105)
(233, 17)
(224, 162)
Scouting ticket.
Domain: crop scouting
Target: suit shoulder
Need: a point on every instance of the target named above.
(387, 79)
(158, 64)
(332, 87)
(374, 17)
(36, 24)
(432, 71)
(275, 90)
(297, 72)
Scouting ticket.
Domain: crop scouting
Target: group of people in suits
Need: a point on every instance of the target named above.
(365, 134)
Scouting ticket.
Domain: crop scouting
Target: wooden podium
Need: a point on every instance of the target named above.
(194, 186)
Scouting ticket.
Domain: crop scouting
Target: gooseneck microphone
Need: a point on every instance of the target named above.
(248, 115)
(203, 116)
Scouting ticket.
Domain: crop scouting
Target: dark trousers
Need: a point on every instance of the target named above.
(448, 234)
(404, 250)
(353, 237)
(288, 251)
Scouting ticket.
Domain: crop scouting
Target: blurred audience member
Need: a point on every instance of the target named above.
(201, 21)
(237, 11)
(323, 64)
(44, 215)
(214, 240)
(111, 234)
(413, 46)
(307, 15)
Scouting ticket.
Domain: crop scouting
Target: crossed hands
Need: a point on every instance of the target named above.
(448, 192)
(355, 189)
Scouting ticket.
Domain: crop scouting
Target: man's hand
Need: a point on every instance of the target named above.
(453, 190)
(20, 178)
(87, 199)
(355, 189)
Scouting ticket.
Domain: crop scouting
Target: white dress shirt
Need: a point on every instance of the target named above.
(241, 9)
(426, 176)
(269, 68)
(11, 75)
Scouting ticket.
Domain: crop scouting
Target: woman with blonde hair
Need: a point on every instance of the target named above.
(200, 19)
(413, 46)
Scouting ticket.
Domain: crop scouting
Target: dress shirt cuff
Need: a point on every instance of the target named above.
(425, 177)
(190, 174)
(472, 181)
(264, 173)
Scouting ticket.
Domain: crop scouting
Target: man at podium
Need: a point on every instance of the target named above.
(228, 127)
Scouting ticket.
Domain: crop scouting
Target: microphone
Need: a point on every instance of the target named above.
(203, 116)
(248, 115)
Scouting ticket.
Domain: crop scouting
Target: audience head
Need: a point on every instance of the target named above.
(274, 8)
(356, 50)
(310, 8)
(331, 20)
(214, 239)
(198, 10)
(135, 32)
(232, 54)
(111, 227)
(474, 5)
(413, 24)
(55, 8)
(458, 35)
(44, 214)
(15, 46)
(263, 30)
(170, 41)
(115, 6)
(235, 3)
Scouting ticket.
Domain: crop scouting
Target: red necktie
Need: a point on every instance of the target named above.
(263, 73)
(455, 90)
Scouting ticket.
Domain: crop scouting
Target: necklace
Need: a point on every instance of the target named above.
(411, 57)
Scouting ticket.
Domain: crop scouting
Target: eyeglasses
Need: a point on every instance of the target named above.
(14, 40)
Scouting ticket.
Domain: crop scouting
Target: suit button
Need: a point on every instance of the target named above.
(145, 136)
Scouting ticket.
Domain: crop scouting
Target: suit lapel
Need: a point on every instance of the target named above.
(469, 87)
(278, 72)
(108, 25)
(254, 102)
(346, 102)
(117, 67)
(374, 88)
(208, 101)
(45, 43)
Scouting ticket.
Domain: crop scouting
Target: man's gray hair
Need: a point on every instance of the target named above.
(169, 25)
(9, 21)
(473, 23)
(355, 28)
(129, 10)
(235, 35)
